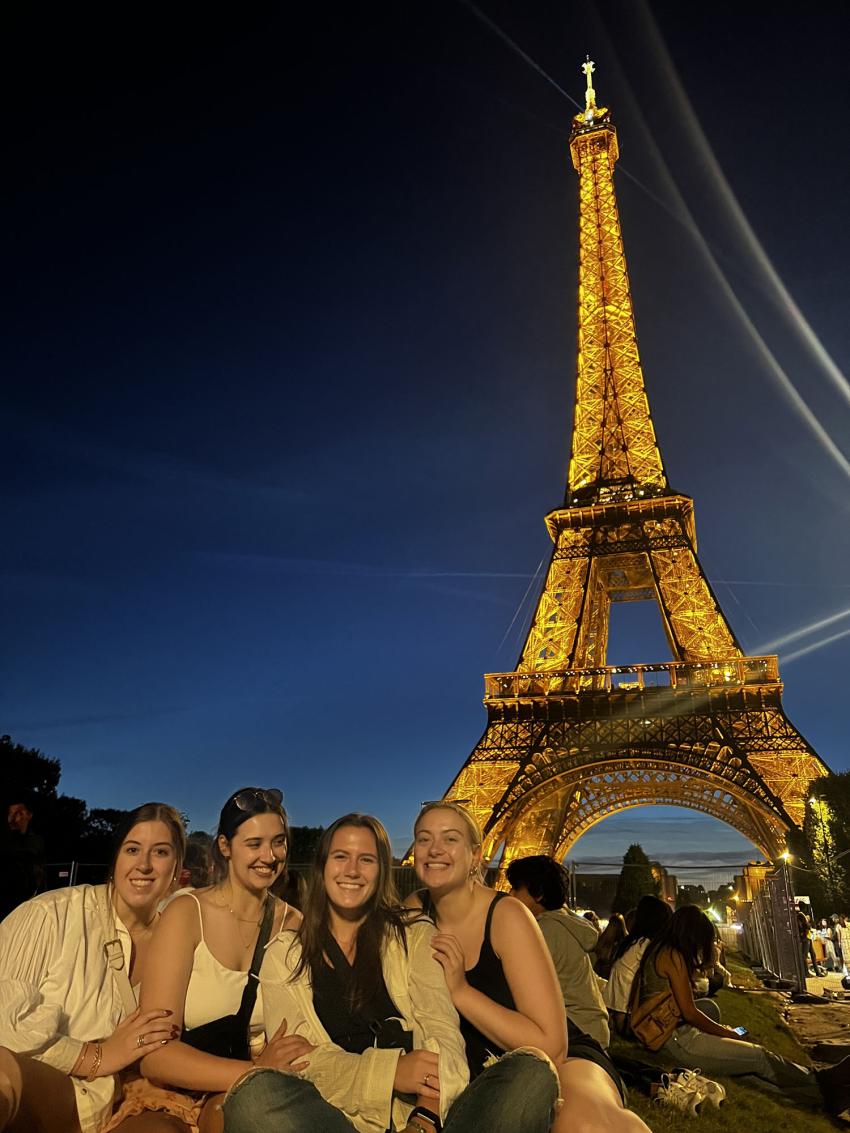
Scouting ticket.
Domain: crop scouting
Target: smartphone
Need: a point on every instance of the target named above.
(740, 1031)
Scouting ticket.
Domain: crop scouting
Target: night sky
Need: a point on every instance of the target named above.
(289, 342)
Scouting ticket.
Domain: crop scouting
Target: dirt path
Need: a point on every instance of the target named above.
(822, 1028)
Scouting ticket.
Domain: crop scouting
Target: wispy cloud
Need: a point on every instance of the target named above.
(293, 564)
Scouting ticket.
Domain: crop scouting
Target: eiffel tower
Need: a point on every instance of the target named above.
(570, 740)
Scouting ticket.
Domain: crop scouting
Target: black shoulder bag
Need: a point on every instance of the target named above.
(227, 1037)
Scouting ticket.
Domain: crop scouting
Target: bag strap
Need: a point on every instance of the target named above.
(249, 993)
(113, 949)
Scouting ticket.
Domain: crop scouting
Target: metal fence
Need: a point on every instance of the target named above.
(770, 934)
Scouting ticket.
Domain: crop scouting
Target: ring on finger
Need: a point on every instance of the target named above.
(426, 1079)
(140, 1041)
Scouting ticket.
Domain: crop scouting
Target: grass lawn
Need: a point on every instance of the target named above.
(747, 1108)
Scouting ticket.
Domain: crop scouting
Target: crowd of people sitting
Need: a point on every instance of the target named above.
(148, 1005)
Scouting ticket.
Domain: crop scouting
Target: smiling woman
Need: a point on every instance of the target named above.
(373, 1039)
(203, 967)
(69, 961)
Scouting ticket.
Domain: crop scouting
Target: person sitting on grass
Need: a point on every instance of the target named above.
(371, 1031)
(503, 983)
(542, 884)
(650, 917)
(669, 964)
(70, 962)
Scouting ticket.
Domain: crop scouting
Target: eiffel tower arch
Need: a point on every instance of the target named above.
(570, 740)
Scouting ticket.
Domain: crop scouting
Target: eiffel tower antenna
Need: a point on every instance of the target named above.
(569, 739)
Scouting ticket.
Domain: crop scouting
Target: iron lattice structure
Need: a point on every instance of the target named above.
(570, 740)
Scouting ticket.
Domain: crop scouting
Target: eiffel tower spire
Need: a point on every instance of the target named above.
(570, 739)
(614, 452)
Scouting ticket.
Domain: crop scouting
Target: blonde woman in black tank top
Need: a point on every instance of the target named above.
(503, 984)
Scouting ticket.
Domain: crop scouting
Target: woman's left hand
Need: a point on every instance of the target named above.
(285, 1052)
(449, 955)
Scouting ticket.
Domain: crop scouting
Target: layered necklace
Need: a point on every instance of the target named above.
(254, 923)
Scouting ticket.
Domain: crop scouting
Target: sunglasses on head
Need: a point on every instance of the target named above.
(246, 800)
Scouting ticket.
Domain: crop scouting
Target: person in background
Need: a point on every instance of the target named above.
(590, 915)
(842, 936)
(69, 962)
(609, 941)
(700, 1042)
(24, 856)
(651, 916)
(542, 885)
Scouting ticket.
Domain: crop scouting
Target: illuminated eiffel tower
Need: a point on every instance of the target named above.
(570, 740)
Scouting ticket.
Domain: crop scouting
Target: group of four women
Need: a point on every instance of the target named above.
(362, 1013)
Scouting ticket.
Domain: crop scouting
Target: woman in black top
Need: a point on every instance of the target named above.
(503, 983)
(369, 1026)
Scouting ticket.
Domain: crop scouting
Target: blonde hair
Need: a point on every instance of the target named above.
(473, 830)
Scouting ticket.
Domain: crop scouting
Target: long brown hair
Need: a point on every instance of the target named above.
(384, 915)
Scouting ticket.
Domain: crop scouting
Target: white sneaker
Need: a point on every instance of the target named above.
(681, 1091)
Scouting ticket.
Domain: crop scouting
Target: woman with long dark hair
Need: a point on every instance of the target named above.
(70, 960)
(503, 983)
(207, 945)
(372, 1034)
(651, 916)
(682, 948)
(610, 939)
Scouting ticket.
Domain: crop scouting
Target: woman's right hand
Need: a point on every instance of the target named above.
(134, 1037)
(285, 1052)
(412, 1070)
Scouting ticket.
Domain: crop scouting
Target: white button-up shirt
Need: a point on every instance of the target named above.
(57, 991)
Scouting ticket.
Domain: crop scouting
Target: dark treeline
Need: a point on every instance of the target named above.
(72, 831)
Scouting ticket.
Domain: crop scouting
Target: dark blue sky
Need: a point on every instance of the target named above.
(289, 361)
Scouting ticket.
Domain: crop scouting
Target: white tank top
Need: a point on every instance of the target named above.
(215, 991)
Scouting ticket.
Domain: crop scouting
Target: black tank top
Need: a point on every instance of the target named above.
(488, 977)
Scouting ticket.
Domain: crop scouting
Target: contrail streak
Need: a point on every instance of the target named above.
(815, 645)
(803, 631)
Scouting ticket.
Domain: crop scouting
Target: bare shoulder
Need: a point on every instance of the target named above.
(180, 910)
(286, 917)
(512, 921)
(413, 901)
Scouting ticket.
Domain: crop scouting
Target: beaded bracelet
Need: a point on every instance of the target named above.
(98, 1058)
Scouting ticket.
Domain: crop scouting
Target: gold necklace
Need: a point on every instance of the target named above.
(245, 920)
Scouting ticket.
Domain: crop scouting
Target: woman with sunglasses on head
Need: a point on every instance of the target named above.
(373, 1037)
(206, 946)
(70, 962)
(503, 983)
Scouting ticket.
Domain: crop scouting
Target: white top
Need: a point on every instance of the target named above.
(214, 990)
(619, 987)
(57, 991)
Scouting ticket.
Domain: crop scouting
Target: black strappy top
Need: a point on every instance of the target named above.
(488, 977)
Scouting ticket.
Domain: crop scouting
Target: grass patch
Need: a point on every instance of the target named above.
(746, 1107)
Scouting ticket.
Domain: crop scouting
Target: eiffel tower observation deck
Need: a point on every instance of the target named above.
(569, 739)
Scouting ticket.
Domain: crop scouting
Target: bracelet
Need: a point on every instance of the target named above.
(81, 1059)
(98, 1058)
(427, 1115)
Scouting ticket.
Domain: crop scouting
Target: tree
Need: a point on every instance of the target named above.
(304, 843)
(689, 894)
(636, 879)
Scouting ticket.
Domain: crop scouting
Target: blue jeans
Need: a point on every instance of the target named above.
(516, 1095)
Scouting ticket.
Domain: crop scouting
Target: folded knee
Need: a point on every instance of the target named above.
(11, 1085)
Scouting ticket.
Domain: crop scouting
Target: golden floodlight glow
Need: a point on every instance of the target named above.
(569, 739)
